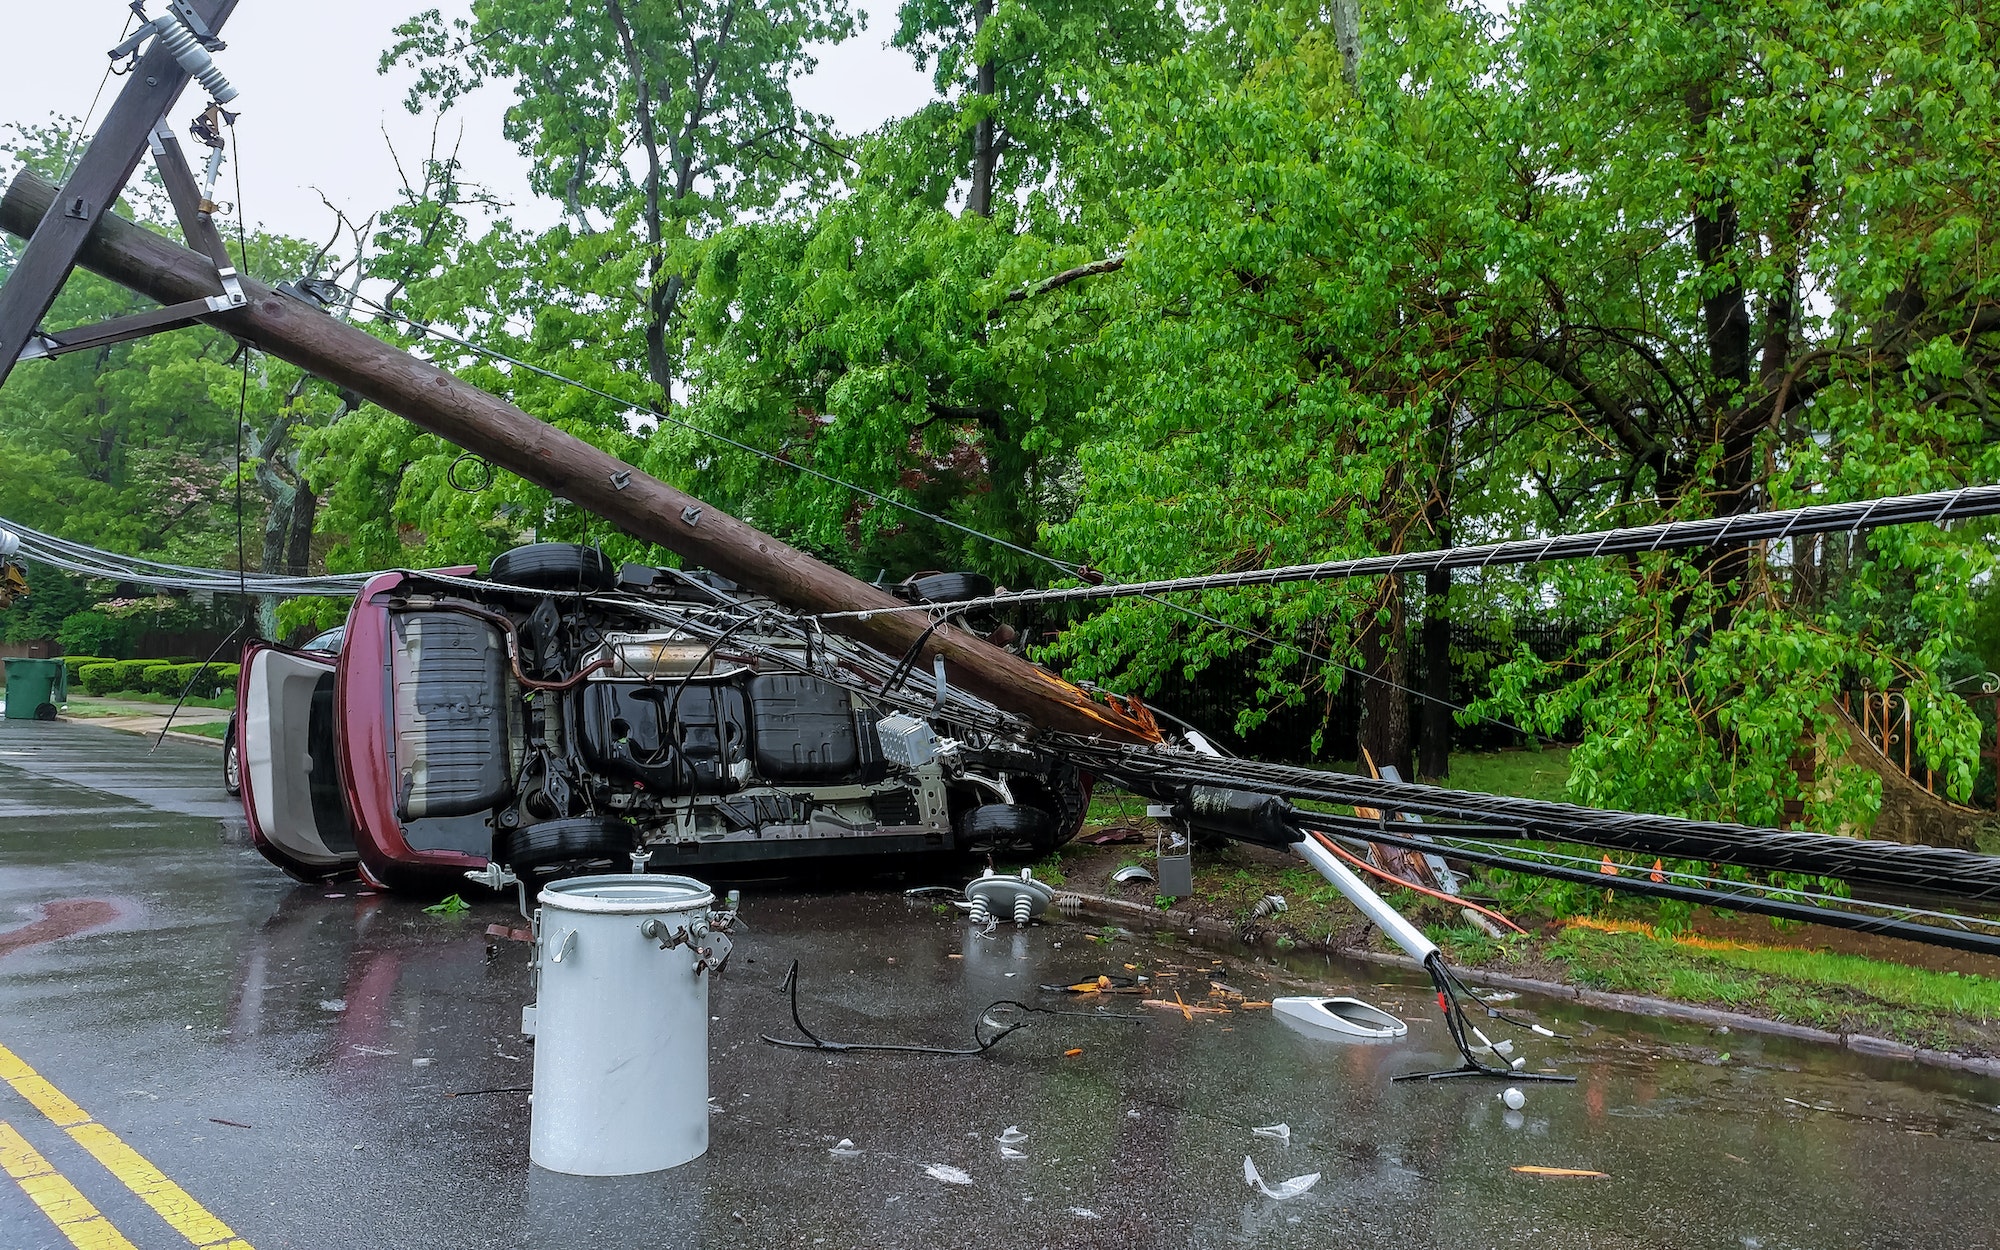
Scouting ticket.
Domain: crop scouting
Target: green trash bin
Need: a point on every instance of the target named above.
(35, 688)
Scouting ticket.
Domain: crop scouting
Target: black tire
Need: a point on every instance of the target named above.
(232, 767)
(556, 845)
(1009, 830)
(555, 566)
(949, 587)
(45, 711)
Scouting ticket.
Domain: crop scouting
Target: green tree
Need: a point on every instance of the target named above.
(697, 94)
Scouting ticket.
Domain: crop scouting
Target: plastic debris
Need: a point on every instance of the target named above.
(1281, 1132)
(1529, 1169)
(1012, 1137)
(948, 1174)
(1283, 1189)
(845, 1150)
(1520, 1063)
(1085, 1213)
(1072, 1052)
(1131, 873)
(333, 1004)
(1008, 1152)
(1514, 1098)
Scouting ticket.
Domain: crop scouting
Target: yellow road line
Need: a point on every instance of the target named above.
(70, 1211)
(174, 1204)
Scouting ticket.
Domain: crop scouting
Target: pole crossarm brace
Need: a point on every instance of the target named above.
(636, 502)
(57, 237)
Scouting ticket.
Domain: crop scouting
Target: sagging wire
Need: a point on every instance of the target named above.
(981, 1042)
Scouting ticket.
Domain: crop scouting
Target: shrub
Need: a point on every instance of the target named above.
(199, 681)
(94, 633)
(101, 678)
(73, 664)
(132, 674)
(165, 678)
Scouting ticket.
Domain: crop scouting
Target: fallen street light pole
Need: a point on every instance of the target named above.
(640, 505)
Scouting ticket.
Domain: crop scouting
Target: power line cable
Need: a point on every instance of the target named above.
(1937, 871)
(1934, 508)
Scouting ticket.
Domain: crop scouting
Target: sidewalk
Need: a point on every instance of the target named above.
(143, 718)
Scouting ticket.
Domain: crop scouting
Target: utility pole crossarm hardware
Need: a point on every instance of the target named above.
(162, 72)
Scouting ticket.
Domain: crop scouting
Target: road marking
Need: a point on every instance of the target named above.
(69, 1210)
(174, 1204)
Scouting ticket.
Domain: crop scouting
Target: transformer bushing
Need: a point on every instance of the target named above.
(997, 894)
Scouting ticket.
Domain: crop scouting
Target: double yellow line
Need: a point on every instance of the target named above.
(84, 1225)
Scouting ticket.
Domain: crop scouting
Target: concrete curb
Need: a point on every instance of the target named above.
(1630, 1004)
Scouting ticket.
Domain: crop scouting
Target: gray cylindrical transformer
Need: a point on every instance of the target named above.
(621, 1026)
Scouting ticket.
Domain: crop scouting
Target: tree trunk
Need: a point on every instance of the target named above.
(1347, 37)
(1385, 706)
(1435, 762)
(1726, 318)
(298, 545)
(984, 155)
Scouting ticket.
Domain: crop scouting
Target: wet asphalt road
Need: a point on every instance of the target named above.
(219, 991)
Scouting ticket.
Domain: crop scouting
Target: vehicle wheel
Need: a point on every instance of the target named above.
(555, 566)
(1009, 830)
(950, 587)
(555, 846)
(45, 711)
(232, 767)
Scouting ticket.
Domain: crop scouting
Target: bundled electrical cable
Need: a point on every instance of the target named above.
(1935, 871)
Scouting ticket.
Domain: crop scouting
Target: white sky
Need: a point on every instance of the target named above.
(314, 109)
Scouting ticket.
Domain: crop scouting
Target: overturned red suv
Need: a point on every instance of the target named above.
(564, 714)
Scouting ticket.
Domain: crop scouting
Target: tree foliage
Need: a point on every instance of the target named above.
(1175, 289)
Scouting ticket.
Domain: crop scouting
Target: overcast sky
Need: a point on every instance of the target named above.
(314, 109)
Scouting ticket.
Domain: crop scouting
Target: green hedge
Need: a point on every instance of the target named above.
(107, 677)
(73, 663)
(209, 680)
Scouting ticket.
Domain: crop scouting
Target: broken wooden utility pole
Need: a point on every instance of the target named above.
(642, 506)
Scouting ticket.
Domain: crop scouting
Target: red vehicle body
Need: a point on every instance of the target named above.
(392, 855)
(563, 716)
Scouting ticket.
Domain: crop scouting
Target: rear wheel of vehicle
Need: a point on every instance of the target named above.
(1009, 830)
(556, 847)
(45, 711)
(950, 587)
(555, 566)
(232, 766)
